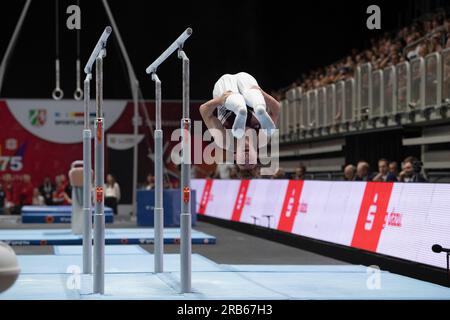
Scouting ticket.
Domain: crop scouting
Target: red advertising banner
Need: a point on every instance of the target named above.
(290, 205)
(240, 200)
(205, 196)
(372, 215)
(397, 219)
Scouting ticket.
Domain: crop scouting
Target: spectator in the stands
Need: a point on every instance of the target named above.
(447, 36)
(384, 175)
(10, 191)
(168, 183)
(195, 174)
(57, 180)
(223, 170)
(299, 173)
(363, 171)
(150, 183)
(393, 168)
(2, 199)
(66, 184)
(349, 172)
(383, 52)
(234, 173)
(38, 199)
(60, 196)
(46, 189)
(254, 173)
(112, 193)
(412, 171)
(279, 174)
(25, 191)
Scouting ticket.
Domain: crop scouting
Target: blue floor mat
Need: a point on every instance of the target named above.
(18, 237)
(114, 263)
(130, 277)
(120, 250)
(55, 214)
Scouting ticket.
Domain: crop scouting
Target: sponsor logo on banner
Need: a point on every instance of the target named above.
(290, 205)
(303, 207)
(69, 118)
(240, 200)
(59, 121)
(37, 117)
(372, 215)
(394, 219)
(205, 196)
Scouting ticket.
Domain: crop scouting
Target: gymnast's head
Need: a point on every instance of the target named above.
(241, 173)
(246, 155)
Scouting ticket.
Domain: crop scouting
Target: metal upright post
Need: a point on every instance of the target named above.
(87, 210)
(185, 217)
(135, 90)
(99, 218)
(159, 210)
(96, 57)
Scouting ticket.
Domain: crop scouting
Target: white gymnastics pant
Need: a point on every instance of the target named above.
(243, 94)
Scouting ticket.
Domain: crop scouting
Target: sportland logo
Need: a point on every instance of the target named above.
(257, 149)
(37, 117)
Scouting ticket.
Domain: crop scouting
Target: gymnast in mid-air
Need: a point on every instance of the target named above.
(239, 105)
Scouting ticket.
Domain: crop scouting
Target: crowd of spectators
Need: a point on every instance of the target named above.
(168, 183)
(21, 191)
(388, 50)
(18, 192)
(112, 193)
(387, 171)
